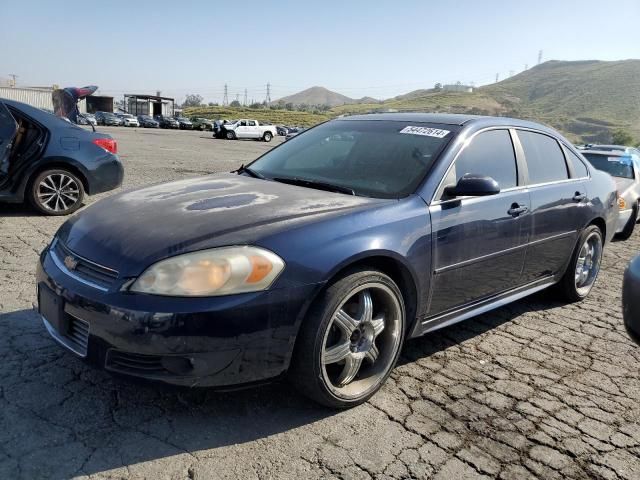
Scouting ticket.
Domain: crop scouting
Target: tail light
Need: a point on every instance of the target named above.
(109, 144)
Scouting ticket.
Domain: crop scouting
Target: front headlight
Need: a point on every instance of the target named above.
(218, 271)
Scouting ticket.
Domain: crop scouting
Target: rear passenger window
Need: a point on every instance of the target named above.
(545, 160)
(579, 167)
(489, 153)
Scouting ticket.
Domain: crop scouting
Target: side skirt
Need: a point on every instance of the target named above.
(442, 320)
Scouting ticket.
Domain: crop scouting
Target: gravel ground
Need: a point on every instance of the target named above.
(533, 390)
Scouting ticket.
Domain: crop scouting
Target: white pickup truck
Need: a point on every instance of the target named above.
(249, 129)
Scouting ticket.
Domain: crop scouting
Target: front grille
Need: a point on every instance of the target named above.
(90, 272)
(135, 363)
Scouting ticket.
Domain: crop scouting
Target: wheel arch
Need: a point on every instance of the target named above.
(60, 163)
(389, 263)
(601, 224)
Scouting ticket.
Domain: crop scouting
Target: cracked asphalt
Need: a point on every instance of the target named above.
(537, 389)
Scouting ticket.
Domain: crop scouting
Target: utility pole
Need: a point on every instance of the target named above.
(511, 73)
(225, 101)
(245, 97)
(13, 79)
(539, 57)
(526, 66)
(497, 77)
(238, 97)
(268, 99)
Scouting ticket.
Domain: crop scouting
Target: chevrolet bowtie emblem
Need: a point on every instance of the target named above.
(70, 262)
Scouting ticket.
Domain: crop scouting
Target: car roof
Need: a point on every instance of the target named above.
(608, 153)
(607, 147)
(451, 119)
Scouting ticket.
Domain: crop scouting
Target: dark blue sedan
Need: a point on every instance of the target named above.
(52, 163)
(321, 257)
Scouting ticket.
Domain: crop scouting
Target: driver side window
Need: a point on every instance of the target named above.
(490, 154)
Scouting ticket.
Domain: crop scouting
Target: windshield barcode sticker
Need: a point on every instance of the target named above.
(424, 131)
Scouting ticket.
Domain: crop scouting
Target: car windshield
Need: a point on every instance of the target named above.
(383, 159)
(616, 166)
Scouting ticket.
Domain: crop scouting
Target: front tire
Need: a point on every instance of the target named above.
(56, 192)
(584, 266)
(230, 135)
(267, 136)
(350, 340)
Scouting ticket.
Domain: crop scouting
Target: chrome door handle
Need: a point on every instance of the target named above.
(516, 210)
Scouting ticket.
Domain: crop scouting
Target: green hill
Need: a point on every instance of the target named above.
(584, 99)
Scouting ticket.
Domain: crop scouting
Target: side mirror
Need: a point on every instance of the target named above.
(472, 185)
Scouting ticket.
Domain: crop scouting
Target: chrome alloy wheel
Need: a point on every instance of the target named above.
(588, 263)
(58, 192)
(362, 340)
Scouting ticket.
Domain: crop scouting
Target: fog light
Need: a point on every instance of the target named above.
(178, 365)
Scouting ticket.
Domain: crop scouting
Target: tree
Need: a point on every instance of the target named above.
(288, 106)
(212, 104)
(235, 103)
(437, 87)
(192, 100)
(256, 105)
(621, 137)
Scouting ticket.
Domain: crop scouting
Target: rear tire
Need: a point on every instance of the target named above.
(584, 266)
(267, 136)
(56, 192)
(627, 231)
(350, 340)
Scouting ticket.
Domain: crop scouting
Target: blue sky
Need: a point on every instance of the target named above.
(357, 48)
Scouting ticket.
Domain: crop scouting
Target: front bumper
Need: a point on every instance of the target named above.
(215, 342)
(623, 218)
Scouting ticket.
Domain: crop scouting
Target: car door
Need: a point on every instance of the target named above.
(242, 130)
(8, 131)
(479, 243)
(559, 204)
(252, 128)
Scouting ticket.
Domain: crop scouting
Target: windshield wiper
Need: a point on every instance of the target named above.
(315, 184)
(244, 169)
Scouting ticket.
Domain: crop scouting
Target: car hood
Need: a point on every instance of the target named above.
(131, 230)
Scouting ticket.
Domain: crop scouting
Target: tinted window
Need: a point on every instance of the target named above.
(578, 166)
(545, 159)
(489, 153)
(614, 165)
(384, 159)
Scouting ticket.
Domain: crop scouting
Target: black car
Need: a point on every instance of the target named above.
(108, 118)
(184, 123)
(282, 131)
(321, 257)
(147, 122)
(51, 162)
(166, 122)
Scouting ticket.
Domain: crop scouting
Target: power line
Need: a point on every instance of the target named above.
(268, 98)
